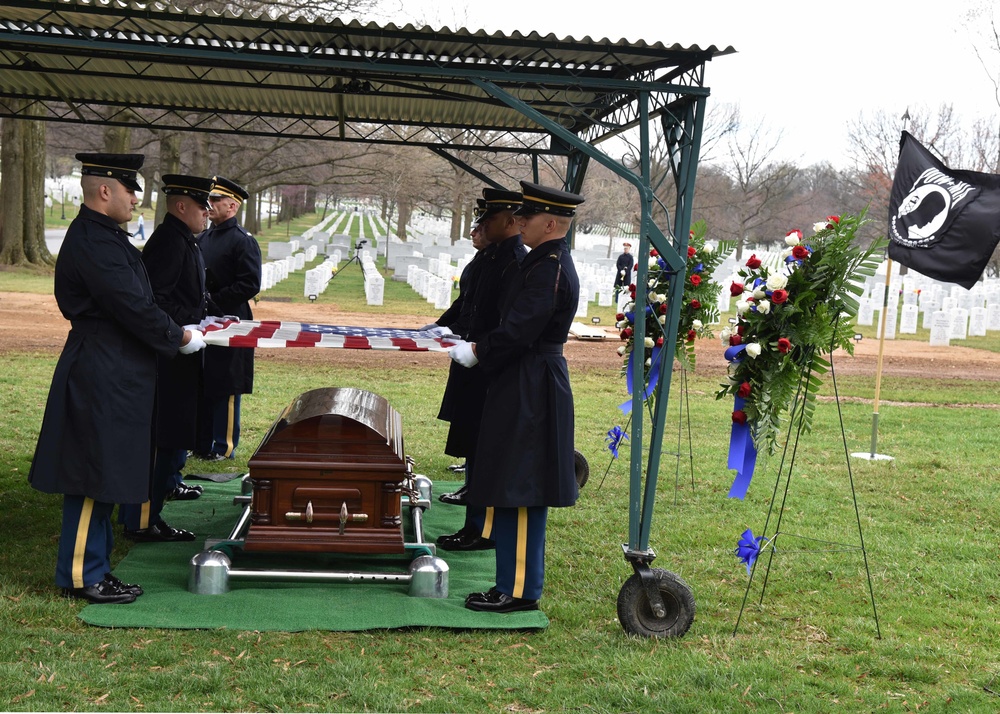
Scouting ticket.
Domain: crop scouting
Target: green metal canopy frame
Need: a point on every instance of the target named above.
(154, 66)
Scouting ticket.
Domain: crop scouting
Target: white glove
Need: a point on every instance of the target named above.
(428, 328)
(231, 318)
(464, 354)
(197, 342)
(439, 331)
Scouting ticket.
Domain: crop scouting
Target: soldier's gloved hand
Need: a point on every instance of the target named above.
(438, 331)
(195, 343)
(231, 318)
(464, 353)
(428, 328)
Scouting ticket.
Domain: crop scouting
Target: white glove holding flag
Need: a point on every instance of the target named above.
(439, 331)
(197, 342)
(464, 354)
(432, 326)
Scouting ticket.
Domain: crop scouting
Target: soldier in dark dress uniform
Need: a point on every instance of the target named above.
(525, 453)
(94, 446)
(623, 268)
(232, 276)
(177, 276)
(500, 266)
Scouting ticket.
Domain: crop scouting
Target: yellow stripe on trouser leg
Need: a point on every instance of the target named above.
(488, 523)
(80, 547)
(230, 425)
(521, 551)
(144, 515)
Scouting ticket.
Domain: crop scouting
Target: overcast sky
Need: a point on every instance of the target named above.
(802, 69)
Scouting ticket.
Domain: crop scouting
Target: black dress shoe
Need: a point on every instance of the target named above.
(127, 587)
(457, 468)
(207, 457)
(102, 593)
(159, 533)
(455, 499)
(496, 601)
(464, 540)
(184, 492)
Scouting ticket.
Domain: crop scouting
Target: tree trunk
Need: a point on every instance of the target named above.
(405, 209)
(35, 250)
(117, 140)
(11, 193)
(170, 163)
(202, 159)
(251, 222)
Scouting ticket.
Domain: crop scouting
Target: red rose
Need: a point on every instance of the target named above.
(696, 280)
(635, 267)
(833, 219)
(695, 305)
(740, 329)
(632, 287)
(659, 342)
(653, 253)
(754, 262)
(691, 251)
(620, 316)
(800, 252)
(739, 417)
(784, 344)
(691, 335)
(735, 340)
(736, 289)
(626, 333)
(744, 390)
(663, 308)
(779, 296)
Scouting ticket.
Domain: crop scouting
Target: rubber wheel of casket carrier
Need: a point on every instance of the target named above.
(582, 468)
(636, 615)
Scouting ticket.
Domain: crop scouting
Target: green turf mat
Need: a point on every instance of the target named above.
(162, 570)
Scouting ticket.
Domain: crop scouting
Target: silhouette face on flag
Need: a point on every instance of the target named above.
(943, 223)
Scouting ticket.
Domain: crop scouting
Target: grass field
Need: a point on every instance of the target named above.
(930, 521)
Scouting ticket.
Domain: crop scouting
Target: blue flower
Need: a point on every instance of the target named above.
(698, 268)
(630, 316)
(615, 437)
(748, 548)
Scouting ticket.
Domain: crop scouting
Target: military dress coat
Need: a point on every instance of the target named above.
(177, 275)
(525, 453)
(96, 431)
(232, 277)
(465, 393)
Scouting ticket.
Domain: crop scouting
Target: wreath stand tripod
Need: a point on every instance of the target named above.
(796, 422)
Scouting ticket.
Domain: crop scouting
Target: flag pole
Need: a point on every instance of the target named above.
(873, 455)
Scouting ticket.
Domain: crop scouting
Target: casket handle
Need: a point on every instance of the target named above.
(346, 516)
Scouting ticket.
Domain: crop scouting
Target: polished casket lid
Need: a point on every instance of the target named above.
(335, 427)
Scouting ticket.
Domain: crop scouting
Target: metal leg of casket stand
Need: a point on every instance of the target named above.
(211, 570)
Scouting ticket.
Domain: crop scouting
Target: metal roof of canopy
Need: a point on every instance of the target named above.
(161, 68)
(228, 73)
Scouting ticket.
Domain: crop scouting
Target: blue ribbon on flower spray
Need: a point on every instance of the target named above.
(742, 452)
(654, 376)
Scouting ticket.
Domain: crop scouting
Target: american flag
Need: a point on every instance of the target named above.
(271, 334)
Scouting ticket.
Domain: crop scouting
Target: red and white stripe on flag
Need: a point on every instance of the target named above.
(271, 334)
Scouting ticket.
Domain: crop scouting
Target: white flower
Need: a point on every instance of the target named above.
(709, 249)
(697, 324)
(764, 307)
(662, 319)
(648, 342)
(661, 297)
(777, 281)
(753, 349)
(621, 324)
(792, 239)
(652, 262)
(629, 307)
(621, 351)
(725, 335)
(651, 283)
(649, 362)
(759, 294)
(742, 306)
(651, 297)
(817, 227)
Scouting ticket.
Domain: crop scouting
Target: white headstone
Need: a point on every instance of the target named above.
(908, 320)
(890, 324)
(959, 329)
(940, 326)
(993, 316)
(866, 312)
(977, 322)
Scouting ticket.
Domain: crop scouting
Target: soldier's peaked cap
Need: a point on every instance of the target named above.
(542, 199)
(196, 187)
(500, 200)
(122, 167)
(229, 189)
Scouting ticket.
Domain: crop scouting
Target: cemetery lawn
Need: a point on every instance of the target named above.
(930, 521)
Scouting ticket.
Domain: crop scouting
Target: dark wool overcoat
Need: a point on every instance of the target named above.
(525, 452)
(95, 439)
(232, 276)
(177, 275)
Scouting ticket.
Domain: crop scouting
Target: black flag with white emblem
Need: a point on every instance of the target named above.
(943, 223)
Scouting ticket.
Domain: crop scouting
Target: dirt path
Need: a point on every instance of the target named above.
(30, 322)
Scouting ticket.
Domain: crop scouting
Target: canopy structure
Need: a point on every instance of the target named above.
(151, 65)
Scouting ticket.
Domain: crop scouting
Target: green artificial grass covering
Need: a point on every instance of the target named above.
(162, 570)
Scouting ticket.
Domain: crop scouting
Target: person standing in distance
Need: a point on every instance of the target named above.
(525, 452)
(232, 277)
(177, 276)
(623, 274)
(94, 446)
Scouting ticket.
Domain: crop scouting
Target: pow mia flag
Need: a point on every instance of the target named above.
(943, 223)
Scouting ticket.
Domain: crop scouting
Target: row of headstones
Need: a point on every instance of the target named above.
(433, 288)
(374, 282)
(274, 271)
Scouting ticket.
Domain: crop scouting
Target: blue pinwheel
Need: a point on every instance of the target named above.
(748, 548)
(615, 437)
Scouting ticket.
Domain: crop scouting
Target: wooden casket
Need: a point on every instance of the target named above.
(328, 476)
